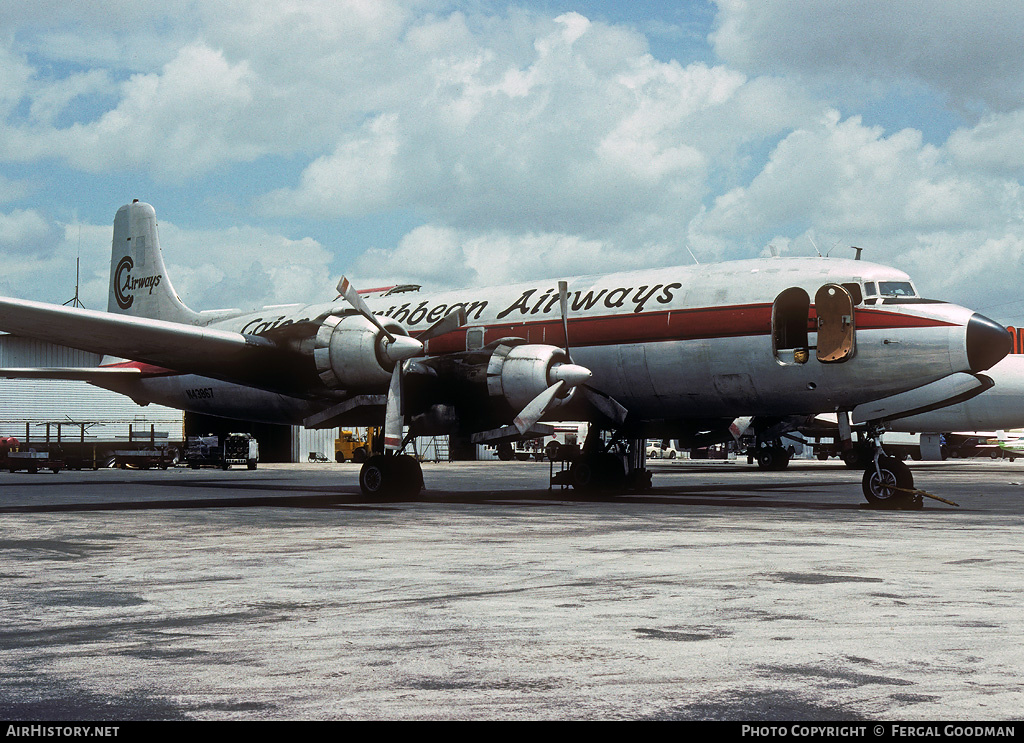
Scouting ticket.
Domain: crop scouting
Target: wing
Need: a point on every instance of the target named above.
(183, 348)
(76, 373)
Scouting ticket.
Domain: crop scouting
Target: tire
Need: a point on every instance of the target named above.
(597, 473)
(251, 464)
(390, 477)
(858, 458)
(772, 458)
(888, 486)
(359, 455)
(583, 474)
(372, 477)
(339, 457)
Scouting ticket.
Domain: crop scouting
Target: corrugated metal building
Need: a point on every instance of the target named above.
(26, 406)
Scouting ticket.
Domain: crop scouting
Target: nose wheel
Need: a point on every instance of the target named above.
(888, 483)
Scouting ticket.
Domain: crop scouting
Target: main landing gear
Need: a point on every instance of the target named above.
(395, 476)
(772, 456)
(608, 466)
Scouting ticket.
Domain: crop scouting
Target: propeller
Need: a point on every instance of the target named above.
(568, 376)
(399, 349)
(396, 348)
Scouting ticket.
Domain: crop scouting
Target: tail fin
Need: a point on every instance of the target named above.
(139, 284)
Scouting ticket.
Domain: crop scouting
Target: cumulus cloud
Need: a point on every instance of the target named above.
(967, 51)
(511, 144)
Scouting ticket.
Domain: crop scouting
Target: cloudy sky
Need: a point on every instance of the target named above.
(479, 142)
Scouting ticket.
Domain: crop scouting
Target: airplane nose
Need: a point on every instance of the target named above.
(987, 342)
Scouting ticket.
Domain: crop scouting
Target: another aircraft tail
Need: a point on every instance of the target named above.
(139, 284)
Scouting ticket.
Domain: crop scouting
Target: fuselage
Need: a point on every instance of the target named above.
(708, 341)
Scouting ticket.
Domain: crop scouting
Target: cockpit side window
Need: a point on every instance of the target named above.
(869, 288)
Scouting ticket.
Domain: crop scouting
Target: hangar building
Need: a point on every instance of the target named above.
(32, 409)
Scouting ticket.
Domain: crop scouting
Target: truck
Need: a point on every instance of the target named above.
(350, 446)
(222, 451)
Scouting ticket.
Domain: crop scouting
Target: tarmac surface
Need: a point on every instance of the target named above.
(725, 593)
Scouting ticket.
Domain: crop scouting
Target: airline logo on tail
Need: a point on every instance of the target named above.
(125, 286)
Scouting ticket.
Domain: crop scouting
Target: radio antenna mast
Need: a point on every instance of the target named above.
(74, 301)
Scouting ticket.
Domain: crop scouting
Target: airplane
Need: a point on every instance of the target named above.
(997, 408)
(670, 352)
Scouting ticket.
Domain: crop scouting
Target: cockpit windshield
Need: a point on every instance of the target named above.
(896, 289)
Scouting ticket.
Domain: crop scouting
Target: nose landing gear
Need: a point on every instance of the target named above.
(888, 483)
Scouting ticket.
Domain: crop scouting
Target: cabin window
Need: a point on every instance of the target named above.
(474, 339)
(790, 314)
(834, 307)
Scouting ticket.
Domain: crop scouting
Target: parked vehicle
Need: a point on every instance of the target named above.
(222, 451)
(661, 450)
(13, 459)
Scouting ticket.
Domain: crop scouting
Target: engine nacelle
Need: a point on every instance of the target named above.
(349, 352)
(520, 373)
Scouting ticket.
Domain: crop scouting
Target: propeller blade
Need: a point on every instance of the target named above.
(537, 407)
(739, 426)
(563, 303)
(608, 406)
(448, 323)
(396, 348)
(351, 296)
(393, 418)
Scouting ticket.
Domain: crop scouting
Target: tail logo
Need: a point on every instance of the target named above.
(125, 285)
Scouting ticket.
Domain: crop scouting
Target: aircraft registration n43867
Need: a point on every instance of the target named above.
(684, 352)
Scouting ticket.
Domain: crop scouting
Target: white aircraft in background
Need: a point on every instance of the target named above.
(669, 352)
(996, 409)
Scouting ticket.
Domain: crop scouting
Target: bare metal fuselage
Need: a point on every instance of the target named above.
(674, 343)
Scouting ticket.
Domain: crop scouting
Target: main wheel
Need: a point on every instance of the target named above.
(391, 476)
(890, 485)
(596, 472)
(773, 458)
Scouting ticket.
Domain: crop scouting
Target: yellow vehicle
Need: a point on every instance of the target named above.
(351, 446)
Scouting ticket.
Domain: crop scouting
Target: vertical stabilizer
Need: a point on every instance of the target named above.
(139, 284)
